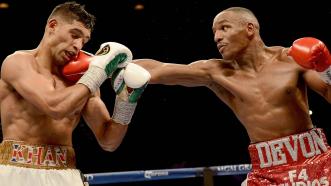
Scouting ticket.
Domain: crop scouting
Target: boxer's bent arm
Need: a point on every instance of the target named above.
(108, 133)
(191, 75)
(18, 72)
(313, 80)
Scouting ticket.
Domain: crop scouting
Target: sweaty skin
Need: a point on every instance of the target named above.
(22, 119)
(264, 87)
(38, 106)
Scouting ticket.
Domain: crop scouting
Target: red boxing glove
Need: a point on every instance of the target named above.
(310, 53)
(74, 70)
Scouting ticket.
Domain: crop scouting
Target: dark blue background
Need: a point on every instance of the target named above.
(173, 126)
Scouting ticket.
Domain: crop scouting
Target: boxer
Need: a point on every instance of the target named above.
(266, 88)
(41, 106)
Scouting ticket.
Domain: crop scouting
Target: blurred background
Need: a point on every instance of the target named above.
(174, 126)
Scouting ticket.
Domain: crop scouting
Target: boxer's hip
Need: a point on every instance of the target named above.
(289, 150)
(37, 156)
(300, 159)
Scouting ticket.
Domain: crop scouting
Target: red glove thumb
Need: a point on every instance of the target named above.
(74, 70)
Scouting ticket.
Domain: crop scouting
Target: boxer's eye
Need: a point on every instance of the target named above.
(74, 36)
(224, 27)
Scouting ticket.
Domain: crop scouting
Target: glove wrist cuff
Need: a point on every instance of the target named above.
(123, 111)
(93, 78)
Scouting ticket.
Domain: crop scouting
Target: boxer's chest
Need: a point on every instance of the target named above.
(275, 84)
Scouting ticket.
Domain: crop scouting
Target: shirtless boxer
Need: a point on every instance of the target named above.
(41, 106)
(267, 91)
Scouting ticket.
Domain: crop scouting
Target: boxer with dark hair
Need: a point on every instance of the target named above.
(41, 105)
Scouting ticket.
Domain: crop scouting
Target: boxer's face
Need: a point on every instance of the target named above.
(229, 34)
(68, 39)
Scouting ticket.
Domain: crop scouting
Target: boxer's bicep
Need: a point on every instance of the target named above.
(314, 82)
(18, 73)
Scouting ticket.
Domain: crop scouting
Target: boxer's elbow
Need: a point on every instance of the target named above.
(110, 144)
(111, 135)
(109, 147)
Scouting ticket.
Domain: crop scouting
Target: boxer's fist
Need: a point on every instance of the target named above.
(310, 53)
(129, 83)
(109, 57)
(76, 68)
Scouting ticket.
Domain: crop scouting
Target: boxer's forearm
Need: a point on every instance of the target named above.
(61, 103)
(108, 133)
(56, 103)
(191, 75)
(112, 136)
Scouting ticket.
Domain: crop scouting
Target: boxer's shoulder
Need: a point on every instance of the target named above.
(20, 56)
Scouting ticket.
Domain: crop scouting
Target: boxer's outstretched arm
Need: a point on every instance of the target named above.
(108, 133)
(18, 71)
(191, 75)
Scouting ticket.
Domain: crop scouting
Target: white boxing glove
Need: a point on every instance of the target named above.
(129, 83)
(108, 58)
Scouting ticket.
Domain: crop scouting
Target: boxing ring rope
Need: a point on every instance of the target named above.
(166, 174)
